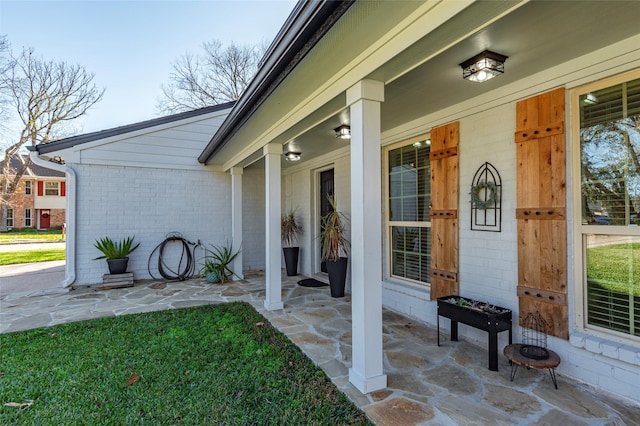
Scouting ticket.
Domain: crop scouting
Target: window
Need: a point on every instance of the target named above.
(27, 187)
(609, 161)
(51, 188)
(408, 224)
(9, 219)
(27, 218)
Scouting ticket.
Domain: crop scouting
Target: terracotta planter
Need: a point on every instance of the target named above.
(337, 271)
(291, 255)
(117, 266)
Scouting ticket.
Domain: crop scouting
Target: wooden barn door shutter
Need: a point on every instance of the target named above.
(541, 209)
(444, 210)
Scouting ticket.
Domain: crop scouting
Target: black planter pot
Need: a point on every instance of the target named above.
(117, 266)
(337, 271)
(291, 260)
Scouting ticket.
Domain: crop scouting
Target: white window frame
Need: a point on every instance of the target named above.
(10, 219)
(57, 189)
(581, 231)
(28, 218)
(388, 224)
(28, 187)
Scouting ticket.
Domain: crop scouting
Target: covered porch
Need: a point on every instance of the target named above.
(427, 384)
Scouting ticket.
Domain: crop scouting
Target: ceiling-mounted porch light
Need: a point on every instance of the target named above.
(343, 132)
(292, 156)
(484, 66)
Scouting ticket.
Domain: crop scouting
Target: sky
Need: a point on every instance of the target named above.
(130, 46)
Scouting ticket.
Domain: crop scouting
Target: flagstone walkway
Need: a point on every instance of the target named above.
(427, 384)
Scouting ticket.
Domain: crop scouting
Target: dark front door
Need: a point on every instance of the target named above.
(326, 190)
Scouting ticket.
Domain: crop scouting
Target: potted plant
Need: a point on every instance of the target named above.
(216, 264)
(335, 247)
(290, 228)
(116, 252)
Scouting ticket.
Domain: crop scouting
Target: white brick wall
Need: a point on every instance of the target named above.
(118, 201)
(253, 213)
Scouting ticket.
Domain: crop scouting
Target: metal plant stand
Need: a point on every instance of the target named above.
(481, 315)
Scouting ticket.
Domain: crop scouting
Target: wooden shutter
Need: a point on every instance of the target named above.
(63, 189)
(40, 188)
(444, 210)
(541, 209)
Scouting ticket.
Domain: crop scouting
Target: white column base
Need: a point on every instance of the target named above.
(273, 306)
(366, 385)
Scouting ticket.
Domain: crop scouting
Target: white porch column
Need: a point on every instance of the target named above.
(366, 372)
(236, 218)
(272, 159)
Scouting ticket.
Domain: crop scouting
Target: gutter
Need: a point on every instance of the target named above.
(309, 21)
(70, 175)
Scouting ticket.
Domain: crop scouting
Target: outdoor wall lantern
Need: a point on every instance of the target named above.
(484, 66)
(292, 156)
(343, 132)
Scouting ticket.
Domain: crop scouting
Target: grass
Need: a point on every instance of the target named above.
(30, 256)
(30, 235)
(615, 267)
(216, 364)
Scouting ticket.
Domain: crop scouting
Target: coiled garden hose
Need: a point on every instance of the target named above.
(186, 266)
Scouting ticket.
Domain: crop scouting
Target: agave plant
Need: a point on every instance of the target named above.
(115, 250)
(217, 260)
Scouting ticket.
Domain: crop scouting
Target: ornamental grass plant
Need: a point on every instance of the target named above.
(214, 364)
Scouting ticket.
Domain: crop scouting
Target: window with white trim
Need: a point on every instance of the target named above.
(27, 188)
(27, 218)
(609, 203)
(408, 224)
(51, 188)
(9, 219)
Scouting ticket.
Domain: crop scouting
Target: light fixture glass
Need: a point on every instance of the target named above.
(292, 156)
(483, 66)
(343, 132)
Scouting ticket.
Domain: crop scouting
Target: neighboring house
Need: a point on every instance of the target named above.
(39, 200)
(542, 150)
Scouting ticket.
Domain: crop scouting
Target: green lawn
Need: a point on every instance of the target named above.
(615, 267)
(29, 256)
(31, 235)
(220, 364)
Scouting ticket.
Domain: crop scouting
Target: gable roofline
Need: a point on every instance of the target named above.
(121, 130)
(308, 22)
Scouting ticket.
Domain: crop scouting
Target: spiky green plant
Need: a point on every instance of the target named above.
(333, 235)
(217, 259)
(290, 228)
(115, 250)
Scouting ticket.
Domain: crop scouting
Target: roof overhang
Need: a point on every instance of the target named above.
(307, 23)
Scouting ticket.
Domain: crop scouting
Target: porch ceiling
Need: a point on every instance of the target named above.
(426, 78)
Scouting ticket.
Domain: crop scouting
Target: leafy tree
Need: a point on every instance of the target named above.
(611, 168)
(42, 97)
(219, 74)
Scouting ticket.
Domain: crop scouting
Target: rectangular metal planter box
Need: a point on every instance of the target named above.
(493, 322)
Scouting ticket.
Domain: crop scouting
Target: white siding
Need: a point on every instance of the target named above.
(173, 147)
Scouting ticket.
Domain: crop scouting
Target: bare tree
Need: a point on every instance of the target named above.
(44, 96)
(218, 75)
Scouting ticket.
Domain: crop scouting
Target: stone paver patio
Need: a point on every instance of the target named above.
(427, 384)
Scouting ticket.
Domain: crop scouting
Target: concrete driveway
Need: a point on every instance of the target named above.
(31, 278)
